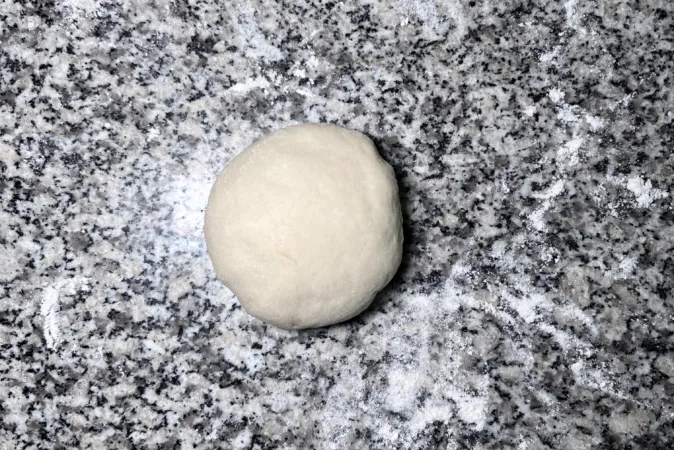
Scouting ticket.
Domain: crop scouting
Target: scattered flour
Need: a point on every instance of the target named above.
(73, 8)
(568, 114)
(530, 110)
(151, 345)
(312, 61)
(571, 114)
(623, 102)
(451, 394)
(432, 411)
(627, 266)
(567, 341)
(436, 17)
(644, 192)
(531, 308)
(574, 312)
(189, 198)
(425, 10)
(49, 311)
(553, 191)
(624, 270)
(596, 379)
(528, 305)
(9, 264)
(549, 56)
(568, 153)
(572, 15)
(536, 217)
(556, 95)
(50, 307)
(244, 87)
(596, 123)
(403, 386)
(243, 439)
(471, 409)
(243, 17)
(581, 123)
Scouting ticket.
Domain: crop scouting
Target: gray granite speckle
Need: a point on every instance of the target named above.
(533, 148)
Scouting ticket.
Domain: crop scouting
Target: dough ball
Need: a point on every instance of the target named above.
(304, 226)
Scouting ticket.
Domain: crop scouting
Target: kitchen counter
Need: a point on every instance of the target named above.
(533, 151)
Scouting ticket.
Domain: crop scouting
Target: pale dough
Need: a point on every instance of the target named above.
(304, 226)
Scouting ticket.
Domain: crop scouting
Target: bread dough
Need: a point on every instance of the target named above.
(304, 226)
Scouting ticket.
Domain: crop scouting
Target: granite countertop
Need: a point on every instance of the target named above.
(533, 150)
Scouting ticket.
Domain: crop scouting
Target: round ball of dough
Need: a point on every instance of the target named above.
(304, 226)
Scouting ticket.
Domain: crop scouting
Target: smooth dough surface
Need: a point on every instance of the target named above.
(304, 226)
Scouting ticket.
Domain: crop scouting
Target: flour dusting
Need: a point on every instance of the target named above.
(403, 387)
(596, 379)
(556, 95)
(624, 270)
(257, 46)
(596, 123)
(425, 10)
(536, 217)
(471, 409)
(50, 307)
(644, 192)
(572, 15)
(244, 87)
(530, 110)
(568, 153)
(190, 197)
(583, 125)
(9, 264)
(534, 308)
(549, 56)
(49, 311)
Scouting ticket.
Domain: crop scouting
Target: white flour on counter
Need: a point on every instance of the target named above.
(50, 307)
(644, 192)
(49, 311)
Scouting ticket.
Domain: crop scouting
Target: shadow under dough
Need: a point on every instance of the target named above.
(393, 153)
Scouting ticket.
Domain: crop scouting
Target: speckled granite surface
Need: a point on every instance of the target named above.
(533, 147)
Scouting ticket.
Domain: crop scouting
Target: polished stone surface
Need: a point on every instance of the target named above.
(533, 149)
